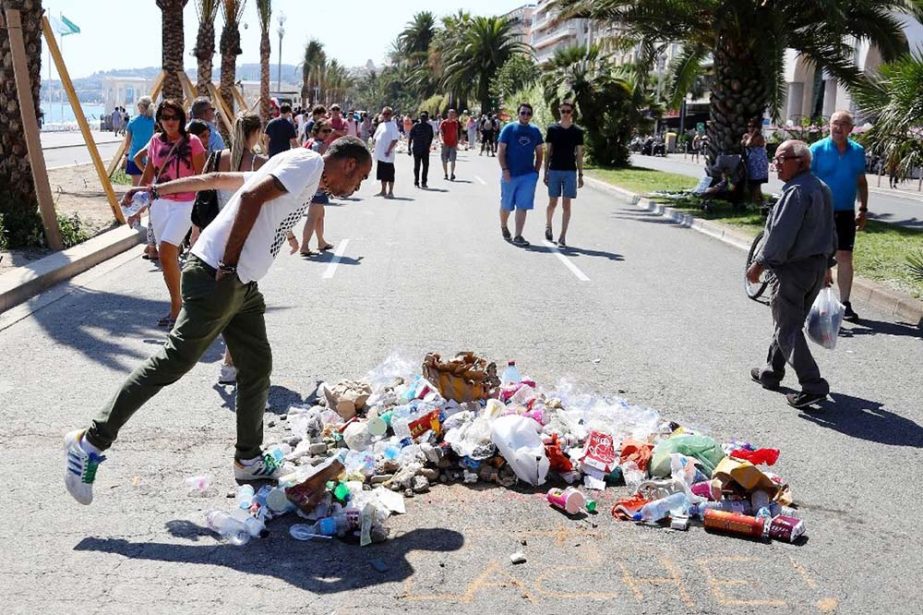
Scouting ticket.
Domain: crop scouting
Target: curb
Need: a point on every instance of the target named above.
(25, 282)
(893, 303)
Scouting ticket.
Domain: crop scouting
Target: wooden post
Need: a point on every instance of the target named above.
(187, 87)
(239, 97)
(155, 91)
(68, 86)
(224, 113)
(30, 129)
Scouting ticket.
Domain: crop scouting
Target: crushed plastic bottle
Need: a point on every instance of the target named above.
(658, 509)
(231, 529)
(245, 495)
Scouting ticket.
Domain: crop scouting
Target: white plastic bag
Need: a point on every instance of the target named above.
(823, 322)
(518, 440)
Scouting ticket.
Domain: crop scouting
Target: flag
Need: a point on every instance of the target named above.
(63, 25)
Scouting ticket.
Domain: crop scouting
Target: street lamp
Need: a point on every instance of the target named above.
(281, 31)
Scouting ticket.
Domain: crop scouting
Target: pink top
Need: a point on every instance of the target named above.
(178, 166)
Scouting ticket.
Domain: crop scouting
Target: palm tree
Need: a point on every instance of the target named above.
(336, 82)
(412, 51)
(419, 33)
(172, 45)
(312, 70)
(482, 46)
(18, 205)
(264, 9)
(232, 10)
(893, 102)
(204, 51)
(747, 40)
(609, 104)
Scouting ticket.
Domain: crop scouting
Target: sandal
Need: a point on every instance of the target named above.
(166, 321)
(309, 253)
(325, 247)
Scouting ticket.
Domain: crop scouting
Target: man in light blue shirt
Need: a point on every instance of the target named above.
(202, 109)
(520, 154)
(840, 163)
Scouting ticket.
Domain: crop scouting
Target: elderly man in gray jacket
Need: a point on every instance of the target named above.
(799, 249)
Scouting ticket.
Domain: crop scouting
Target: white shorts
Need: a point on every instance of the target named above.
(171, 220)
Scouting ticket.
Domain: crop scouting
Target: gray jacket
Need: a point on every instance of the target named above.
(801, 224)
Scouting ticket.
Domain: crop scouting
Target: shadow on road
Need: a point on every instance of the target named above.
(572, 251)
(867, 420)
(880, 327)
(322, 567)
(328, 256)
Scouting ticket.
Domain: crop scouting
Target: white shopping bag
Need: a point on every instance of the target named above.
(823, 322)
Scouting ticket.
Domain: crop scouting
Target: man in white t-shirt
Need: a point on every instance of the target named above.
(221, 297)
(386, 138)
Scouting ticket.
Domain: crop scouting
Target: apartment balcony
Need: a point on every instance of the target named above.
(556, 36)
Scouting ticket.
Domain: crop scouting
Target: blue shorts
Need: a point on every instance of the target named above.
(562, 183)
(132, 169)
(519, 192)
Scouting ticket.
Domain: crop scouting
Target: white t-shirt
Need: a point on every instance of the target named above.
(299, 170)
(384, 135)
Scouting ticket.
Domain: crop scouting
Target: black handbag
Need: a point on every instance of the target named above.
(205, 208)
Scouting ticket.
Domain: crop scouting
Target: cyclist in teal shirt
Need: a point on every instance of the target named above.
(520, 155)
(840, 163)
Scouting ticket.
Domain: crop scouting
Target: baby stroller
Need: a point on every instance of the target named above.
(726, 180)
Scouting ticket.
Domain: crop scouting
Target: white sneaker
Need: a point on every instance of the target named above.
(79, 467)
(258, 468)
(227, 375)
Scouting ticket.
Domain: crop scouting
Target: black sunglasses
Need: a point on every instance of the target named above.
(168, 118)
(525, 112)
(567, 110)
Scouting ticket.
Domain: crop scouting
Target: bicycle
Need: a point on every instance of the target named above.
(755, 291)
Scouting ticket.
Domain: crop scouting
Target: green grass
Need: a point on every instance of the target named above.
(643, 181)
(882, 250)
(121, 178)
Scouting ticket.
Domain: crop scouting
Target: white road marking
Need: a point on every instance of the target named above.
(337, 255)
(480, 181)
(573, 268)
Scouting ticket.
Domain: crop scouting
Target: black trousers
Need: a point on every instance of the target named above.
(421, 159)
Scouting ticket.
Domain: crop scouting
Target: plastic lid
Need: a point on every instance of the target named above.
(511, 363)
(591, 506)
(327, 526)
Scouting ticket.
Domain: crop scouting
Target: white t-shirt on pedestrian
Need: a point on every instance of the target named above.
(299, 170)
(384, 135)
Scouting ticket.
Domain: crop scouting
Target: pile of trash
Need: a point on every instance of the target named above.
(353, 457)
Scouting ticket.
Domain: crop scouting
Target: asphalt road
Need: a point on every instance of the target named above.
(78, 154)
(885, 205)
(639, 306)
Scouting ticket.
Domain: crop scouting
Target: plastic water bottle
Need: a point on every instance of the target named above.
(658, 509)
(245, 497)
(231, 529)
(510, 375)
(139, 200)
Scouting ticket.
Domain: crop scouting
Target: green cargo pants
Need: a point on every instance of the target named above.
(210, 308)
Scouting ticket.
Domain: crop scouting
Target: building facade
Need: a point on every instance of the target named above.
(521, 18)
(548, 34)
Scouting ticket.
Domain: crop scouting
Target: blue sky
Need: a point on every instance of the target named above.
(126, 33)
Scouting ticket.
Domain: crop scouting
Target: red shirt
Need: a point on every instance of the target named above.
(449, 130)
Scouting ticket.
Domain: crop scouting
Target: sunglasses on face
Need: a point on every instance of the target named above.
(168, 118)
(325, 130)
(525, 112)
(567, 110)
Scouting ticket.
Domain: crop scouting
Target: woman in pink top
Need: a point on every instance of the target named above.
(172, 154)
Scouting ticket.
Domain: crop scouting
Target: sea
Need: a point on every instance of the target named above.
(60, 116)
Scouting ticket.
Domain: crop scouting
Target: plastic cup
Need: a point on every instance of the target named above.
(569, 500)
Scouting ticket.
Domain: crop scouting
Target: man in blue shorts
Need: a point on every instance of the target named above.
(840, 163)
(520, 156)
(563, 168)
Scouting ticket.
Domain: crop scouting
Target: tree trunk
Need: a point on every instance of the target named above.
(204, 53)
(17, 194)
(173, 45)
(737, 95)
(265, 50)
(230, 49)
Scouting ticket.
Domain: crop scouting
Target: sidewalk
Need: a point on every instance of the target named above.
(907, 189)
(74, 138)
